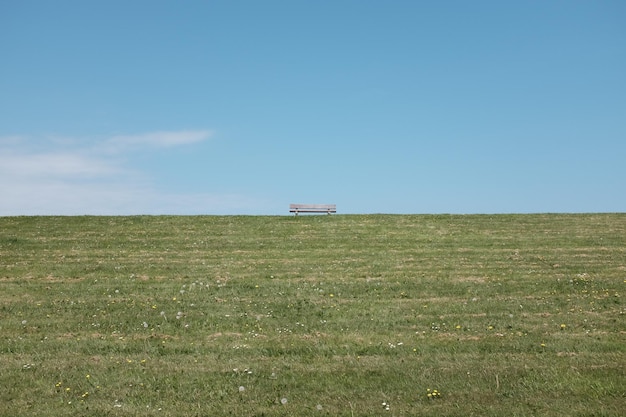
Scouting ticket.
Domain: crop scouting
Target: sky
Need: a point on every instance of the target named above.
(243, 107)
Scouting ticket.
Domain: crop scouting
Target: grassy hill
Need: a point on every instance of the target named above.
(353, 315)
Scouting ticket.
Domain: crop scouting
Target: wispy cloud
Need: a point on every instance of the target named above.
(123, 143)
(48, 165)
(73, 176)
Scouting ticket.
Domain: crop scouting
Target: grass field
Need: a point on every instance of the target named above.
(350, 315)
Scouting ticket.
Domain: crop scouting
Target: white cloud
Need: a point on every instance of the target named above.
(11, 140)
(55, 165)
(97, 179)
(111, 198)
(122, 143)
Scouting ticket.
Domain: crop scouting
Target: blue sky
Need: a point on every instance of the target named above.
(242, 107)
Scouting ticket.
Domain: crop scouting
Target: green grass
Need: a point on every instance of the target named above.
(504, 315)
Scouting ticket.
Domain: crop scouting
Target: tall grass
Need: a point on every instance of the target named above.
(512, 315)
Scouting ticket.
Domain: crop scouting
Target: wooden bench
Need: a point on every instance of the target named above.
(312, 208)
